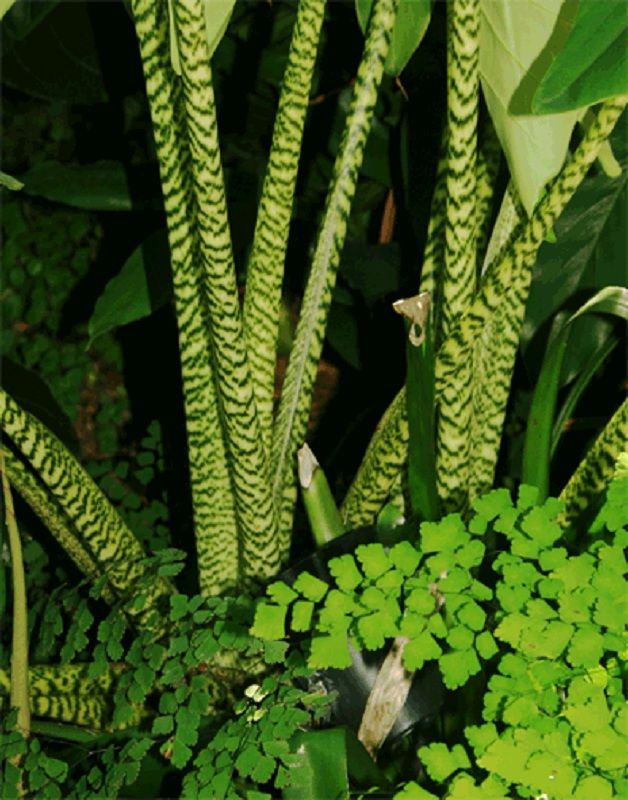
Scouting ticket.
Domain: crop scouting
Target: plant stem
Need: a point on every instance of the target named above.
(260, 552)
(460, 268)
(19, 644)
(385, 457)
(293, 412)
(463, 88)
(266, 262)
(215, 526)
(596, 468)
(103, 532)
(320, 505)
(53, 517)
(487, 337)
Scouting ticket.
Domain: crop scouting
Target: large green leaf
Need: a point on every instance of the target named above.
(513, 36)
(593, 63)
(49, 51)
(141, 287)
(590, 253)
(537, 447)
(100, 186)
(321, 773)
(413, 17)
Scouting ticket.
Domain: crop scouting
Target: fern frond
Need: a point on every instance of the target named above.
(294, 407)
(257, 521)
(215, 525)
(266, 263)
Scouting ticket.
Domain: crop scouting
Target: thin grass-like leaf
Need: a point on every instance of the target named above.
(537, 443)
(578, 387)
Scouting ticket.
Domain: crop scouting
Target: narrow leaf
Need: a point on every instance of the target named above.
(537, 444)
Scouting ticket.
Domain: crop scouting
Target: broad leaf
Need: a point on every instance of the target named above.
(49, 51)
(512, 36)
(321, 771)
(140, 288)
(10, 183)
(590, 253)
(413, 17)
(593, 63)
(100, 186)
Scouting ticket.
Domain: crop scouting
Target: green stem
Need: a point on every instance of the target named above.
(266, 263)
(383, 462)
(260, 554)
(19, 645)
(463, 87)
(487, 337)
(318, 500)
(294, 408)
(596, 468)
(103, 532)
(53, 517)
(215, 526)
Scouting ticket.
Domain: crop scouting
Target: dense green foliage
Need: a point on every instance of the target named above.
(248, 188)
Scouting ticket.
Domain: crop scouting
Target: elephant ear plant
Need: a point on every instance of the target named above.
(165, 666)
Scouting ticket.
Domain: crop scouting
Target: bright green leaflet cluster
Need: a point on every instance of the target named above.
(555, 721)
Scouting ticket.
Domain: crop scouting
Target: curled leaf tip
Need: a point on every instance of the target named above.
(416, 310)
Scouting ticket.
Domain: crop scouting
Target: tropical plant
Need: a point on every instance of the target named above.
(177, 660)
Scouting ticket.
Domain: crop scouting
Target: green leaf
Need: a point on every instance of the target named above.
(10, 183)
(100, 186)
(320, 770)
(412, 19)
(440, 762)
(142, 286)
(537, 445)
(310, 586)
(269, 621)
(419, 650)
(592, 65)
(373, 558)
(330, 651)
(217, 16)
(590, 253)
(512, 36)
(345, 572)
